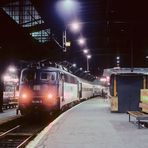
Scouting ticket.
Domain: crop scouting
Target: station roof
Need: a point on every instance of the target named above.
(32, 30)
(120, 71)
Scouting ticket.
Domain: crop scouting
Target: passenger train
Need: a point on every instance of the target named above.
(50, 89)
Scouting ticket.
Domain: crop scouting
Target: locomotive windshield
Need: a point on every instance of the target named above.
(32, 76)
(48, 76)
(28, 76)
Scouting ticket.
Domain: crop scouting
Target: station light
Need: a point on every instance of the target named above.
(68, 44)
(108, 78)
(66, 8)
(103, 79)
(85, 51)
(75, 26)
(88, 56)
(81, 41)
(74, 65)
(118, 58)
(12, 69)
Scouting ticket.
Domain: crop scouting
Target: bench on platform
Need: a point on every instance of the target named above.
(139, 115)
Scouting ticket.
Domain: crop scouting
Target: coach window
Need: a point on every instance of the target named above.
(66, 77)
(75, 80)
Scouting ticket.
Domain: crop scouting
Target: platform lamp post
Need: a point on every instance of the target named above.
(88, 57)
(64, 40)
(81, 41)
(74, 27)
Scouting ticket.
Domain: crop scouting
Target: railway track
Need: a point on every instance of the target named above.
(19, 132)
(17, 137)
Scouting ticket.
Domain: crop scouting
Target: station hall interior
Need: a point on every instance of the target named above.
(33, 30)
(71, 60)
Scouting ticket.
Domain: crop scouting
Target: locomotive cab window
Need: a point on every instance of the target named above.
(48, 76)
(28, 75)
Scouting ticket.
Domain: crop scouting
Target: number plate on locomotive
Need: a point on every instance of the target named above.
(36, 87)
(37, 101)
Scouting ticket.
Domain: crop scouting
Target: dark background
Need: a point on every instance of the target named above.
(112, 28)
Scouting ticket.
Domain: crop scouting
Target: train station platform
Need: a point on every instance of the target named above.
(8, 115)
(91, 125)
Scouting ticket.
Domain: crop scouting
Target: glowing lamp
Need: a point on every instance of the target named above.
(89, 56)
(24, 96)
(85, 51)
(103, 79)
(49, 96)
(81, 41)
(75, 26)
(12, 69)
(68, 44)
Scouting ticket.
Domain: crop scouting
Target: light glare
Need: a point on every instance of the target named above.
(81, 41)
(50, 96)
(74, 65)
(12, 69)
(75, 26)
(66, 8)
(89, 56)
(24, 96)
(85, 51)
(117, 57)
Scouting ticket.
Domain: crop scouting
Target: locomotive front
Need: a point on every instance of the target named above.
(38, 91)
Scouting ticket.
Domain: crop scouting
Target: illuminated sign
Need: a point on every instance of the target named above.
(144, 95)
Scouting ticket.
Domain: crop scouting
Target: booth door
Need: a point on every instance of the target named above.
(128, 91)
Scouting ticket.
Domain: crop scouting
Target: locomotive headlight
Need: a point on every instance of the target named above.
(49, 96)
(24, 96)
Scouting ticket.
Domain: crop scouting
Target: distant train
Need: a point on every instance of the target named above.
(10, 95)
(50, 89)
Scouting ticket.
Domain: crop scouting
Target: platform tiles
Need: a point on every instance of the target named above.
(91, 125)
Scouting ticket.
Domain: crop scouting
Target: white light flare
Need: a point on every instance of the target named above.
(81, 41)
(88, 56)
(85, 51)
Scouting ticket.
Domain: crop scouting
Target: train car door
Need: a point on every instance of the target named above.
(62, 76)
(80, 90)
(61, 86)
